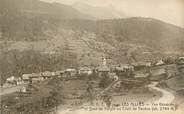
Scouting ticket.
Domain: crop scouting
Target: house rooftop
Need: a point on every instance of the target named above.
(158, 72)
(103, 69)
(141, 75)
(141, 64)
(70, 70)
(84, 68)
(47, 73)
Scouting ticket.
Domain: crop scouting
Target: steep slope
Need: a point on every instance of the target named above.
(136, 39)
(145, 31)
(123, 40)
(38, 8)
(28, 19)
(33, 20)
(69, 43)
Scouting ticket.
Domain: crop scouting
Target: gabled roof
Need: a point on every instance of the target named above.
(120, 68)
(160, 62)
(180, 60)
(70, 70)
(141, 75)
(47, 74)
(103, 69)
(158, 72)
(36, 74)
(85, 68)
(32, 75)
(26, 76)
(11, 78)
(141, 64)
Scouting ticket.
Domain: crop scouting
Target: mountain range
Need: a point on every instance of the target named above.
(51, 27)
(36, 8)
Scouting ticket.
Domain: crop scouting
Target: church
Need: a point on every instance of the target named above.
(103, 69)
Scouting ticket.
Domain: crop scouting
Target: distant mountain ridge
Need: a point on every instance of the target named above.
(98, 12)
(49, 26)
(37, 8)
(27, 19)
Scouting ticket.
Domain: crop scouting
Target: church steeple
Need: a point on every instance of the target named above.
(104, 61)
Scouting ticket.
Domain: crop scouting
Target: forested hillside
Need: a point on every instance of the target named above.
(37, 36)
(28, 19)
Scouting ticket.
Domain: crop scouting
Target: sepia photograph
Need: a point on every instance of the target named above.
(91, 56)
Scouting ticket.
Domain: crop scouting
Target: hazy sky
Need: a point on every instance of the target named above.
(171, 11)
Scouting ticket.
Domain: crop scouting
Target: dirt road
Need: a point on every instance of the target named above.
(167, 97)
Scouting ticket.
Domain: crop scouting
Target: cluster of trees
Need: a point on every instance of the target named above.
(138, 30)
(43, 101)
(25, 29)
(15, 63)
(105, 81)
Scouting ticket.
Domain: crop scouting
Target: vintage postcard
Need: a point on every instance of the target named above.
(92, 56)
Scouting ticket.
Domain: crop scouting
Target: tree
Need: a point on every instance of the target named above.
(105, 81)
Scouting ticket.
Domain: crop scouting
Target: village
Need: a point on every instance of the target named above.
(86, 85)
(130, 71)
